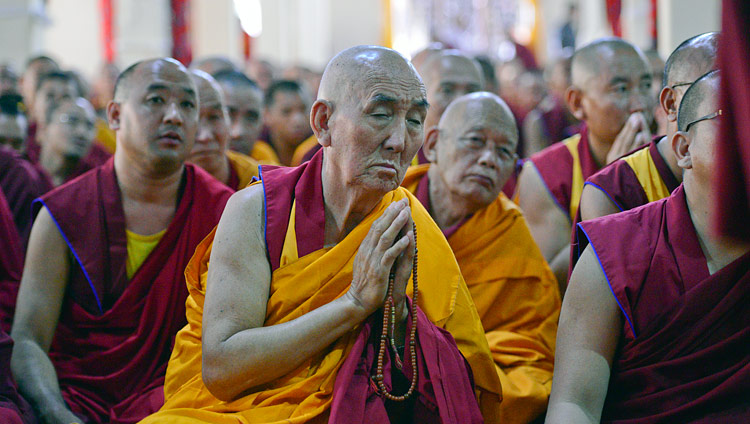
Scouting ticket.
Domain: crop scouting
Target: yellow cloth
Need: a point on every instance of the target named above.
(516, 296)
(576, 186)
(306, 284)
(264, 153)
(105, 136)
(245, 167)
(139, 247)
(642, 164)
(302, 149)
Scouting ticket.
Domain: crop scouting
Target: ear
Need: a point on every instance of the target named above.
(574, 100)
(320, 115)
(429, 148)
(681, 149)
(113, 115)
(668, 101)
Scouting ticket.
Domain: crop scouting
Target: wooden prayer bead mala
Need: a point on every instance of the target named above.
(389, 321)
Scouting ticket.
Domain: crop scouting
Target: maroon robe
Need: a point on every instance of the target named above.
(13, 408)
(732, 182)
(21, 182)
(115, 335)
(555, 166)
(355, 400)
(683, 354)
(11, 265)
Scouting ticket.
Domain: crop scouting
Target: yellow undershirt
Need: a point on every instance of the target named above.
(139, 247)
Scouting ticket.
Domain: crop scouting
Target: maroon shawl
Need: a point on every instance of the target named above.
(115, 335)
(445, 391)
(13, 408)
(683, 353)
(555, 166)
(11, 265)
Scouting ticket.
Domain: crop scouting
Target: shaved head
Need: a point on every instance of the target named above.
(480, 103)
(206, 84)
(691, 59)
(123, 84)
(448, 75)
(591, 59)
(699, 99)
(214, 64)
(420, 57)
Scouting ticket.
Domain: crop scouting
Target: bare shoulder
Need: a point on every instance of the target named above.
(532, 192)
(595, 203)
(244, 211)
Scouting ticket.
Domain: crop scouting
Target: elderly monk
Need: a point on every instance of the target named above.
(244, 102)
(652, 172)
(611, 95)
(472, 154)
(103, 294)
(299, 267)
(210, 150)
(656, 325)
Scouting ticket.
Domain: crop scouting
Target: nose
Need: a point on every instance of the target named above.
(396, 140)
(639, 101)
(172, 115)
(237, 130)
(204, 134)
(488, 157)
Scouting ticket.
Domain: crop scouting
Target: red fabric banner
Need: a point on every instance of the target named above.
(105, 9)
(614, 7)
(181, 46)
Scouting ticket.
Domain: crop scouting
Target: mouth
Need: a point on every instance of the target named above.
(482, 180)
(385, 167)
(170, 138)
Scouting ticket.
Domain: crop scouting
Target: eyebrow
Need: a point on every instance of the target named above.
(384, 98)
(157, 86)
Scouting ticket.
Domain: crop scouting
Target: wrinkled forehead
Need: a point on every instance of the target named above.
(399, 83)
(483, 115)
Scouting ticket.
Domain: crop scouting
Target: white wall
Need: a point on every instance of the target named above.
(215, 29)
(682, 19)
(21, 26)
(73, 36)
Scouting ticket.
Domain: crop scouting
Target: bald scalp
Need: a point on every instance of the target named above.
(356, 67)
(590, 59)
(703, 89)
(696, 55)
(124, 85)
(206, 83)
(444, 59)
(481, 103)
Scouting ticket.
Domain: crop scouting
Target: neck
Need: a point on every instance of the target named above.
(284, 150)
(346, 205)
(719, 252)
(665, 150)
(446, 208)
(59, 167)
(599, 149)
(137, 183)
(221, 172)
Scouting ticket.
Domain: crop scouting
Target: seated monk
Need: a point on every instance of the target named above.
(472, 154)
(13, 123)
(299, 270)
(610, 93)
(286, 107)
(244, 102)
(13, 408)
(210, 150)
(655, 326)
(103, 294)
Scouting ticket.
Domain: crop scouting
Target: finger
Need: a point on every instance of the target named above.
(404, 265)
(382, 223)
(391, 234)
(390, 255)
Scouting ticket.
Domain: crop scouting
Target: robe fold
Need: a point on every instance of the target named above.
(11, 265)
(683, 353)
(516, 296)
(564, 167)
(264, 153)
(21, 182)
(307, 275)
(114, 336)
(242, 170)
(13, 408)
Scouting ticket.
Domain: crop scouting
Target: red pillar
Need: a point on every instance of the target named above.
(181, 46)
(105, 10)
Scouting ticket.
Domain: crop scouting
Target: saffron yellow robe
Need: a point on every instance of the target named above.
(302, 149)
(298, 287)
(264, 153)
(517, 298)
(245, 168)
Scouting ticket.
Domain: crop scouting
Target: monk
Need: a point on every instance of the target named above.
(300, 261)
(610, 93)
(102, 293)
(655, 326)
(35, 68)
(244, 101)
(13, 122)
(651, 173)
(472, 154)
(11, 266)
(213, 64)
(286, 117)
(13, 408)
(210, 150)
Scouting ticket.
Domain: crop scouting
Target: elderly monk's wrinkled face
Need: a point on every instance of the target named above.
(51, 93)
(13, 131)
(70, 131)
(245, 108)
(447, 78)
(621, 87)
(159, 117)
(288, 117)
(213, 129)
(475, 151)
(378, 128)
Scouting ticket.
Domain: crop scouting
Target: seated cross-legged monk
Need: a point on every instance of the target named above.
(244, 102)
(611, 94)
(210, 150)
(472, 154)
(103, 291)
(286, 323)
(655, 326)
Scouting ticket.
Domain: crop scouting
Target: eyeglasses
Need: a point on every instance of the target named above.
(680, 84)
(705, 118)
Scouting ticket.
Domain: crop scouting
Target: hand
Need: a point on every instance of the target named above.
(388, 246)
(61, 416)
(633, 134)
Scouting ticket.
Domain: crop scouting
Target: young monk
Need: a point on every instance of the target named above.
(210, 150)
(299, 269)
(286, 117)
(655, 326)
(611, 95)
(102, 294)
(472, 154)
